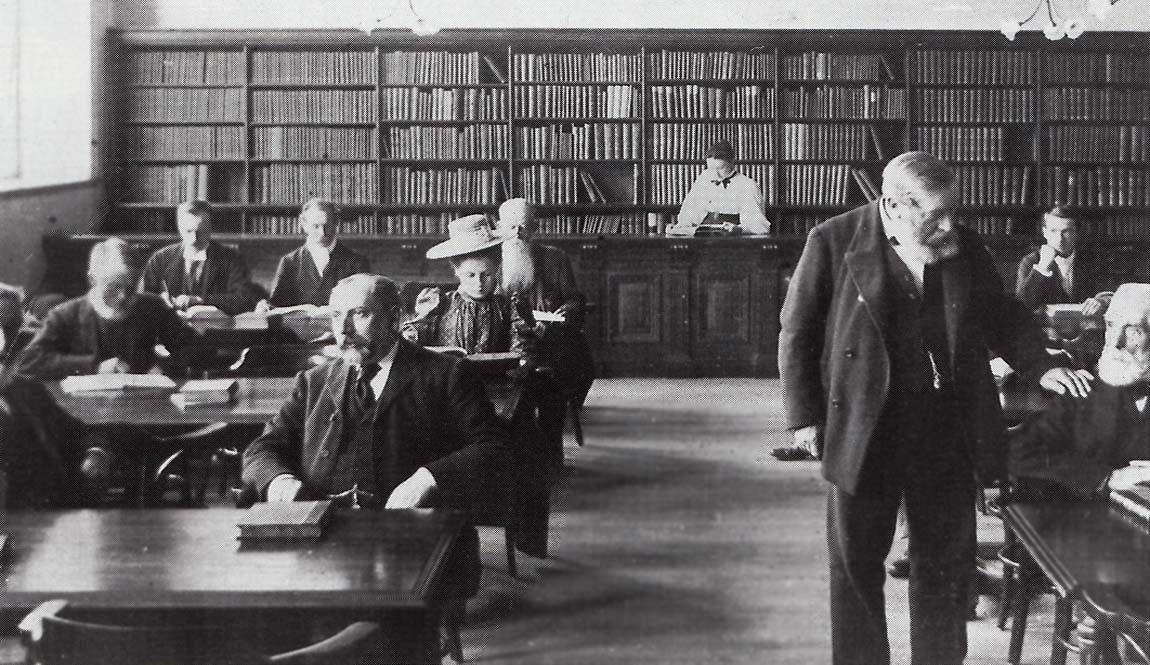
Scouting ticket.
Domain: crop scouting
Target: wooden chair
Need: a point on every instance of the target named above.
(51, 638)
(277, 360)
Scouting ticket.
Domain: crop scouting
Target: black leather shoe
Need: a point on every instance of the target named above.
(791, 454)
(899, 568)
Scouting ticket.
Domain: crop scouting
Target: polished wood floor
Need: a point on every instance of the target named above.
(677, 538)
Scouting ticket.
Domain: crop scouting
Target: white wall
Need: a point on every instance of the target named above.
(799, 14)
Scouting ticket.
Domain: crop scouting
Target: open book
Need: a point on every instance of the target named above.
(204, 312)
(314, 311)
(106, 382)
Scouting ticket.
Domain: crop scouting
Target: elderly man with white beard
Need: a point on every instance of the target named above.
(1084, 447)
(542, 275)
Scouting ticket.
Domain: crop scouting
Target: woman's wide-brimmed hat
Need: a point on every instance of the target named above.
(466, 235)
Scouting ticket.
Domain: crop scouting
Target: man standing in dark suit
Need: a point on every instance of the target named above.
(307, 275)
(198, 270)
(387, 424)
(1060, 272)
(886, 331)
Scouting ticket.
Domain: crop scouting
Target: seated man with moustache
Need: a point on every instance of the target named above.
(474, 317)
(48, 459)
(1082, 447)
(385, 425)
(112, 328)
(307, 275)
(198, 270)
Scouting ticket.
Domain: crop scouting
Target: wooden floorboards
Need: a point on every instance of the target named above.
(676, 538)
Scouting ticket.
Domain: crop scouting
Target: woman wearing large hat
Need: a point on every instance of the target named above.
(473, 317)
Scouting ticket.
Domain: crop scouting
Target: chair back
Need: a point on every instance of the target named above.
(67, 641)
(278, 360)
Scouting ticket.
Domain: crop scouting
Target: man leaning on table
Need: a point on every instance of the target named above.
(197, 270)
(112, 329)
(385, 425)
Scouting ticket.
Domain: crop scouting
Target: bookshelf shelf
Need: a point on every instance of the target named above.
(843, 121)
(199, 86)
(311, 86)
(462, 86)
(725, 83)
(311, 124)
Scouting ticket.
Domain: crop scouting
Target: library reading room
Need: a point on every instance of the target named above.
(518, 333)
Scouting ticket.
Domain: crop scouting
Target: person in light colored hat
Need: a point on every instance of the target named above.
(474, 316)
(721, 194)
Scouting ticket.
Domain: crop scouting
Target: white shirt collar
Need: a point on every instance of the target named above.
(193, 255)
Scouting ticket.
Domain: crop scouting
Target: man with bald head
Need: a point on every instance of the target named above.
(112, 328)
(1084, 447)
(386, 425)
(887, 328)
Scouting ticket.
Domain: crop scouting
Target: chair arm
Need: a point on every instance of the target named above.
(339, 648)
(32, 626)
(195, 436)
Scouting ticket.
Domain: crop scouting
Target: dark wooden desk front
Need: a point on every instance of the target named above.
(1093, 554)
(377, 565)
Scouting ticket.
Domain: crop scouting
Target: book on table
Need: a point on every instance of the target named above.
(115, 382)
(1134, 503)
(285, 519)
(205, 392)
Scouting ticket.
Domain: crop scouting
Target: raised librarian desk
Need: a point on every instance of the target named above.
(385, 566)
(1095, 554)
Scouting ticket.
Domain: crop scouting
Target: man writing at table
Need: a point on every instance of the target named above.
(1085, 447)
(112, 329)
(387, 424)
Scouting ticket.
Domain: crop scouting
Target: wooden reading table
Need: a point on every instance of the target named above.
(1093, 553)
(187, 565)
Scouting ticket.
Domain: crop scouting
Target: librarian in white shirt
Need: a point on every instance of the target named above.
(1060, 272)
(722, 194)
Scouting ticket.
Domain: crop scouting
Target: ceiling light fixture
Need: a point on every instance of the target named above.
(417, 24)
(1056, 27)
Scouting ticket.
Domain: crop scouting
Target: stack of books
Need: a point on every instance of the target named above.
(294, 519)
(205, 392)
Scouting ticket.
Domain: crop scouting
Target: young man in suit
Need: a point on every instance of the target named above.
(1060, 272)
(111, 329)
(387, 424)
(48, 459)
(886, 332)
(198, 270)
(307, 275)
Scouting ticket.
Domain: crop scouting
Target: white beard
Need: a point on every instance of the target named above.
(1120, 369)
(518, 266)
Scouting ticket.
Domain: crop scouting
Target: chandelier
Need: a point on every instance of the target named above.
(1058, 25)
(369, 18)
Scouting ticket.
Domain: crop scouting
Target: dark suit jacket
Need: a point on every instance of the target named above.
(833, 358)
(1035, 289)
(298, 282)
(1076, 442)
(225, 283)
(41, 447)
(69, 342)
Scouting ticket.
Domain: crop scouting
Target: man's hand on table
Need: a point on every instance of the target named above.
(284, 487)
(1066, 381)
(415, 492)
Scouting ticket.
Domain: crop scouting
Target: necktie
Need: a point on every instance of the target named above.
(1059, 279)
(195, 273)
(363, 398)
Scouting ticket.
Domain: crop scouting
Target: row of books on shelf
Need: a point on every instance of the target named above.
(632, 223)
(468, 142)
(351, 183)
(670, 183)
(190, 143)
(865, 102)
(580, 141)
(831, 142)
(288, 225)
(1098, 104)
(751, 141)
(723, 65)
(991, 67)
(591, 101)
(838, 67)
(445, 104)
(154, 67)
(701, 101)
(565, 185)
(1098, 144)
(1101, 186)
(816, 184)
(185, 104)
(313, 142)
(1125, 227)
(983, 185)
(315, 106)
(468, 186)
(1095, 67)
(324, 67)
(975, 105)
(434, 67)
(557, 67)
(183, 182)
(961, 143)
